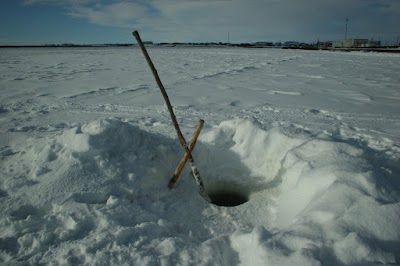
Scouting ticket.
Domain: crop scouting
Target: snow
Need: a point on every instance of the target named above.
(309, 139)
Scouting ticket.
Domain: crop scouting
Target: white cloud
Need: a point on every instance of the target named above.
(123, 14)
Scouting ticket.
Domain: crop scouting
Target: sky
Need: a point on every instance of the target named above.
(38, 22)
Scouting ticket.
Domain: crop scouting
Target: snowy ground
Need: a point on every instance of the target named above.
(311, 139)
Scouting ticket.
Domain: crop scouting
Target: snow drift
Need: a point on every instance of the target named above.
(96, 194)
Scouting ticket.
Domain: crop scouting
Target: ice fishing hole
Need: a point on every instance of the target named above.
(227, 197)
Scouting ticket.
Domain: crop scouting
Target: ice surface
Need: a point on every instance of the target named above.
(87, 148)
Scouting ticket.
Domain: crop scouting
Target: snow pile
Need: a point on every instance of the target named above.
(242, 157)
(107, 163)
(86, 158)
(96, 194)
(332, 204)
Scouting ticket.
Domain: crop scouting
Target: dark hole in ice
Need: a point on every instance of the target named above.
(227, 198)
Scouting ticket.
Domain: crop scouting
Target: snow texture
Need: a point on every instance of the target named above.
(310, 140)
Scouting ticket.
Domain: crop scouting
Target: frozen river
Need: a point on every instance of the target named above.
(311, 139)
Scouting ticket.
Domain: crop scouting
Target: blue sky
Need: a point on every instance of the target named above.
(27, 22)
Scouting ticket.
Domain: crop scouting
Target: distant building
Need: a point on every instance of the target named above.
(373, 43)
(350, 43)
(324, 45)
(263, 44)
(291, 44)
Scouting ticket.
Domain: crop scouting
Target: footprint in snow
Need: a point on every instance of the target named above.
(3, 194)
(90, 198)
(24, 211)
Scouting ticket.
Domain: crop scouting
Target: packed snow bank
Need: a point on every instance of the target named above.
(96, 194)
(332, 205)
(105, 155)
(243, 156)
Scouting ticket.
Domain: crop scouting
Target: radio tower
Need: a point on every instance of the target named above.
(345, 32)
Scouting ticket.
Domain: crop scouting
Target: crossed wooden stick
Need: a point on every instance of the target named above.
(188, 149)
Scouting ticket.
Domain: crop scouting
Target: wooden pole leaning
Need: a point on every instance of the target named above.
(181, 138)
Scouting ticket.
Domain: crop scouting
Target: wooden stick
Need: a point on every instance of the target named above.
(181, 138)
(184, 159)
(161, 86)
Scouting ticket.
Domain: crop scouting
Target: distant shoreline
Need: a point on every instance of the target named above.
(67, 46)
(389, 49)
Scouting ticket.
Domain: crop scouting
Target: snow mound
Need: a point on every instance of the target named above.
(243, 155)
(96, 194)
(330, 197)
(103, 157)
(327, 195)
